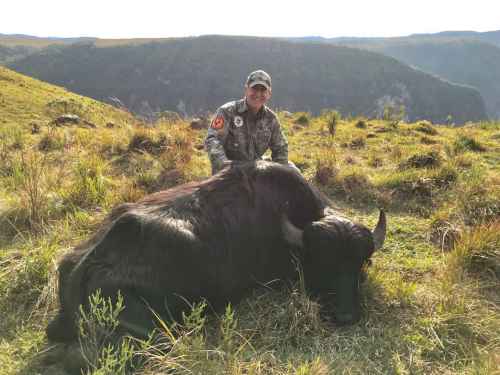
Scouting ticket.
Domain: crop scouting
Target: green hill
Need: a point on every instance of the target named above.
(197, 74)
(25, 101)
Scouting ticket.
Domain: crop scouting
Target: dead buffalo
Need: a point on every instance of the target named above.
(214, 240)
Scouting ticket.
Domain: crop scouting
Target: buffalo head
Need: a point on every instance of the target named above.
(335, 251)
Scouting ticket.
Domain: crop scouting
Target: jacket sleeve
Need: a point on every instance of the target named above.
(279, 144)
(215, 139)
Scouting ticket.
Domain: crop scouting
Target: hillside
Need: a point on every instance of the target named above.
(467, 58)
(25, 102)
(471, 63)
(192, 75)
(431, 303)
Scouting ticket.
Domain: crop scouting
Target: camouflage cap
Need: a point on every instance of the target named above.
(259, 77)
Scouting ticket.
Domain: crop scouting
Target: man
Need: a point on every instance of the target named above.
(244, 129)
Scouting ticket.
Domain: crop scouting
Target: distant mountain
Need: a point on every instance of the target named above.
(465, 57)
(9, 54)
(492, 37)
(192, 75)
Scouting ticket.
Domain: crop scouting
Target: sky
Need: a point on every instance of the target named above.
(177, 18)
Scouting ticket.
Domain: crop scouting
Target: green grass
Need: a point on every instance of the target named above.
(427, 308)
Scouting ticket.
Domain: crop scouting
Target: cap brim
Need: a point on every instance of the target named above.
(263, 83)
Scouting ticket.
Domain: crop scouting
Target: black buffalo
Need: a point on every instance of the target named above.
(214, 240)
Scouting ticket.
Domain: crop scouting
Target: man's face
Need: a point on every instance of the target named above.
(257, 96)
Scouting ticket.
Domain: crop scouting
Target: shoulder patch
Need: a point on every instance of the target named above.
(218, 122)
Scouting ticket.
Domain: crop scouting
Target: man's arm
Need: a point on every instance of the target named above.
(279, 144)
(214, 142)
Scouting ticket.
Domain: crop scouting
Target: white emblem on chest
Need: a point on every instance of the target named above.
(238, 121)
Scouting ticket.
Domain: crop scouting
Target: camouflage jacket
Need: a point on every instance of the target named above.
(237, 134)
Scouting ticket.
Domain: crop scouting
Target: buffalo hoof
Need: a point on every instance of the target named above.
(60, 330)
(74, 362)
(343, 319)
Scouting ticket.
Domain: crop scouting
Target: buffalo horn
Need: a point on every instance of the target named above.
(291, 233)
(379, 231)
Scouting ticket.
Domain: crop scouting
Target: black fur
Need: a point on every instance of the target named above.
(214, 240)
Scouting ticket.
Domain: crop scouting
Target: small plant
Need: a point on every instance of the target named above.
(144, 141)
(355, 185)
(326, 168)
(89, 186)
(431, 159)
(104, 351)
(426, 128)
(332, 120)
(478, 251)
(375, 161)
(427, 140)
(303, 119)
(394, 114)
(444, 233)
(361, 124)
(52, 141)
(357, 142)
(467, 143)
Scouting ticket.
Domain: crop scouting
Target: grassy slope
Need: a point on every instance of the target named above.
(24, 100)
(426, 311)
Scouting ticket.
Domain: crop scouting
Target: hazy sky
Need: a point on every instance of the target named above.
(149, 18)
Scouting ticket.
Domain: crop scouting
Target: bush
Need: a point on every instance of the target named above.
(355, 185)
(426, 127)
(104, 351)
(361, 124)
(326, 168)
(444, 233)
(89, 187)
(303, 119)
(466, 143)
(478, 251)
(332, 120)
(431, 159)
(143, 141)
(357, 143)
(479, 205)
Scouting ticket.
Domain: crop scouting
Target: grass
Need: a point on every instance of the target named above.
(430, 302)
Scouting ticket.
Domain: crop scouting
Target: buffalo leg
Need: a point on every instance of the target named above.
(136, 318)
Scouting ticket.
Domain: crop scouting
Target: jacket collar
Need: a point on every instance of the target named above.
(242, 107)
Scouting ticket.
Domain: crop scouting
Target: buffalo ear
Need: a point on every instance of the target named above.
(291, 234)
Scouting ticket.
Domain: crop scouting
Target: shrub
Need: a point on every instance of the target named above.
(478, 251)
(431, 159)
(443, 232)
(326, 168)
(52, 141)
(355, 185)
(479, 205)
(426, 127)
(357, 143)
(143, 141)
(332, 120)
(89, 187)
(466, 143)
(427, 140)
(361, 124)
(104, 351)
(375, 161)
(303, 119)
(31, 179)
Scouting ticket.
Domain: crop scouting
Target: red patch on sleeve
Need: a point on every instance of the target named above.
(217, 123)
